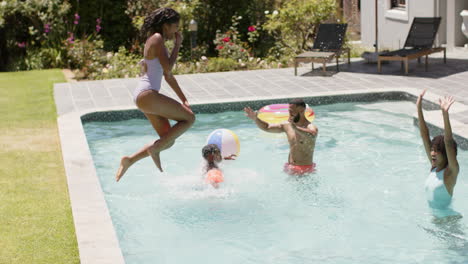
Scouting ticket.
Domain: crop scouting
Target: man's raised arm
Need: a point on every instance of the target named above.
(272, 128)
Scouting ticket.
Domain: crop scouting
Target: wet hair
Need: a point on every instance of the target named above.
(438, 144)
(298, 102)
(154, 22)
(208, 152)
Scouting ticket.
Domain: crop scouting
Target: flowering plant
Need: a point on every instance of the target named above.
(253, 33)
(229, 45)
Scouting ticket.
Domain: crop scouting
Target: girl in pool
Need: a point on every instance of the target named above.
(212, 155)
(442, 154)
(161, 25)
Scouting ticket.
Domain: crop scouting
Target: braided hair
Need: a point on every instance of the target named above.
(155, 21)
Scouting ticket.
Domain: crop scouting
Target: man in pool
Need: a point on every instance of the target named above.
(301, 135)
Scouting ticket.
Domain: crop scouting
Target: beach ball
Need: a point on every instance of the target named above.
(226, 140)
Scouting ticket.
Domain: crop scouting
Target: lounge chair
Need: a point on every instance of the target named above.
(418, 43)
(327, 45)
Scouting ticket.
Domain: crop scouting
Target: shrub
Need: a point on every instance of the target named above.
(121, 64)
(28, 27)
(295, 24)
(221, 64)
(229, 44)
(88, 56)
(115, 25)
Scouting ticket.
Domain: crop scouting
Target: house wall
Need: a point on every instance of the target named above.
(455, 36)
(394, 24)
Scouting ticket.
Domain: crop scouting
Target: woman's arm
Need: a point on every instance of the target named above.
(448, 137)
(175, 50)
(168, 62)
(424, 131)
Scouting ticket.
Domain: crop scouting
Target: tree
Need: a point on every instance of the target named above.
(295, 24)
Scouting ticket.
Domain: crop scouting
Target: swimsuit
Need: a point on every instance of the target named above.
(436, 192)
(298, 169)
(214, 176)
(152, 78)
(438, 198)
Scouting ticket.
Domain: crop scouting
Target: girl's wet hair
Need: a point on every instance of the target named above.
(210, 149)
(155, 21)
(208, 152)
(438, 144)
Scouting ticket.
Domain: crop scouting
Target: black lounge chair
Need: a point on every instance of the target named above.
(327, 45)
(418, 43)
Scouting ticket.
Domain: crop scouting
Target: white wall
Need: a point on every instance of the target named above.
(455, 36)
(394, 25)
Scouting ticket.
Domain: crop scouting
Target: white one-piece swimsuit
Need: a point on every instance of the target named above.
(151, 80)
(436, 193)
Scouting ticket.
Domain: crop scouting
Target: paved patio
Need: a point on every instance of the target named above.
(441, 79)
(97, 241)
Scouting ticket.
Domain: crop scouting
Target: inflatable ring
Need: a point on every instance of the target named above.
(279, 113)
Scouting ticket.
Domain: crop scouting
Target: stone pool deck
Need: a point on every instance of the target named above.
(97, 240)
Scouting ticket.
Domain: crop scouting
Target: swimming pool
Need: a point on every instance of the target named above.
(366, 203)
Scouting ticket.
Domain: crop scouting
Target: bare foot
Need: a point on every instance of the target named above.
(154, 151)
(124, 165)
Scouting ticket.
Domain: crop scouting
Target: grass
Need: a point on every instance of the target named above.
(36, 224)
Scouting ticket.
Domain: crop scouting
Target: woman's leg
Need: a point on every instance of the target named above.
(152, 102)
(162, 126)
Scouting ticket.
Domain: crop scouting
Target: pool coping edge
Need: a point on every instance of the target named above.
(95, 233)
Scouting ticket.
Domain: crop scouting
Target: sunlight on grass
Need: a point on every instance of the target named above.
(36, 224)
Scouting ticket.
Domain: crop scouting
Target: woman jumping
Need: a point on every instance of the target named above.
(162, 24)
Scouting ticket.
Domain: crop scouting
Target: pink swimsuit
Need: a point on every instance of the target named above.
(152, 78)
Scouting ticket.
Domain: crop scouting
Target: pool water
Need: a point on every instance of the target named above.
(365, 204)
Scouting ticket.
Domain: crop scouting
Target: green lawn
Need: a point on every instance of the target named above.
(36, 224)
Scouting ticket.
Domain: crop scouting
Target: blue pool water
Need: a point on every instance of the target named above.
(365, 204)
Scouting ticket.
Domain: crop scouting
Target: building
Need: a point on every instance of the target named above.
(395, 18)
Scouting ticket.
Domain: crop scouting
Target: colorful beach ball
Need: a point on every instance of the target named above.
(226, 140)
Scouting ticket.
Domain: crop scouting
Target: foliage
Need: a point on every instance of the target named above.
(295, 24)
(40, 58)
(229, 44)
(213, 16)
(221, 64)
(86, 34)
(93, 62)
(216, 64)
(193, 54)
(88, 56)
(39, 28)
(28, 26)
(121, 64)
(116, 25)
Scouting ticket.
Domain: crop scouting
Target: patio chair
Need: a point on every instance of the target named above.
(327, 45)
(418, 43)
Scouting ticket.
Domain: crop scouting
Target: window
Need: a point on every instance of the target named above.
(398, 4)
(397, 10)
